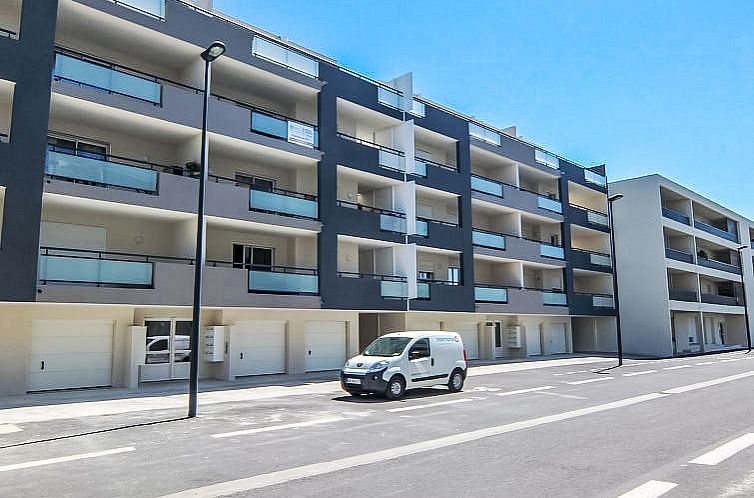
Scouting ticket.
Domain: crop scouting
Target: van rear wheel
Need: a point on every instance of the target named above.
(455, 382)
(396, 388)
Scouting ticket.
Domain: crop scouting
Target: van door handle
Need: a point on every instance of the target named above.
(432, 362)
(241, 356)
(43, 365)
(310, 352)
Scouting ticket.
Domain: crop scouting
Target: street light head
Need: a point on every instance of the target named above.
(615, 197)
(215, 50)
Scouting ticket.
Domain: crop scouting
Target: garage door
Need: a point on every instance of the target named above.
(70, 353)
(470, 337)
(257, 348)
(533, 340)
(325, 346)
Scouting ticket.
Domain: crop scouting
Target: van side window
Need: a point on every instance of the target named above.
(420, 349)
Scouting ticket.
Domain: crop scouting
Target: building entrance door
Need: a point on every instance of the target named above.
(168, 349)
(498, 338)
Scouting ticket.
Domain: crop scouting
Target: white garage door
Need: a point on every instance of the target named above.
(470, 337)
(325, 346)
(557, 339)
(70, 353)
(257, 348)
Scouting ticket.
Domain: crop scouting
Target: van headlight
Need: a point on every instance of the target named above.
(379, 365)
(348, 364)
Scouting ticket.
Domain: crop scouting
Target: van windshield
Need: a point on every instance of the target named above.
(387, 346)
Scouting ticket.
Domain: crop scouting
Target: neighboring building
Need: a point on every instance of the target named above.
(332, 199)
(680, 277)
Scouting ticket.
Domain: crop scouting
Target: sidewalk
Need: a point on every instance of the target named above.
(62, 405)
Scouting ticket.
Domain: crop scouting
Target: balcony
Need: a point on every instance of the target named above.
(421, 166)
(718, 265)
(587, 303)
(392, 222)
(551, 251)
(486, 186)
(679, 255)
(589, 217)
(716, 231)
(153, 8)
(554, 298)
(683, 295)
(284, 202)
(550, 204)
(398, 289)
(110, 171)
(277, 126)
(95, 268)
(484, 238)
(284, 280)
(675, 216)
(388, 158)
(595, 178)
(722, 300)
(490, 294)
(278, 54)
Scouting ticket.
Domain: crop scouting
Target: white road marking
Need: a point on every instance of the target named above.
(713, 382)
(676, 367)
(705, 363)
(320, 468)
(9, 429)
(727, 360)
(650, 489)
(643, 372)
(70, 458)
(725, 451)
(270, 428)
(569, 396)
(589, 381)
(429, 405)
(522, 391)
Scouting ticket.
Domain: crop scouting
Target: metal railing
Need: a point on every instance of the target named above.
(97, 268)
(8, 33)
(485, 238)
(671, 214)
(718, 265)
(284, 280)
(678, 255)
(592, 216)
(722, 300)
(716, 231)
(683, 295)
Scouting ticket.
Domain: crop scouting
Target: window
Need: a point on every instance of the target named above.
(253, 258)
(454, 275)
(425, 275)
(256, 182)
(419, 350)
(78, 147)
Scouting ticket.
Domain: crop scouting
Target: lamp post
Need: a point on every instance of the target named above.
(616, 301)
(215, 50)
(746, 304)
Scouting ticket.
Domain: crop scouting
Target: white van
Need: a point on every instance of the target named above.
(404, 360)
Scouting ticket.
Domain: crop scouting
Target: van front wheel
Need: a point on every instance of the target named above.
(396, 388)
(455, 382)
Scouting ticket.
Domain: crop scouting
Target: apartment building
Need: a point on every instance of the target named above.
(684, 269)
(339, 208)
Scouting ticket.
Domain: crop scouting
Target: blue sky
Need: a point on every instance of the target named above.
(644, 86)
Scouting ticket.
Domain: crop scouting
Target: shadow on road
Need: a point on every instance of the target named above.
(424, 392)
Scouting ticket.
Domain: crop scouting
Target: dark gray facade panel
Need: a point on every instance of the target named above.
(27, 62)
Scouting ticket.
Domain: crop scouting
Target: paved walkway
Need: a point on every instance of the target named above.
(58, 405)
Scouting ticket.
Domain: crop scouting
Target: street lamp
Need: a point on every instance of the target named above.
(215, 50)
(746, 304)
(616, 301)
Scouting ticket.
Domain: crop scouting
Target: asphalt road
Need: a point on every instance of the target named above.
(681, 427)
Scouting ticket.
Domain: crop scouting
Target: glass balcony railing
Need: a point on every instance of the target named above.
(99, 171)
(550, 251)
(486, 186)
(418, 108)
(399, 289)
(597, 218)
(603, 301)
(551, 298)
(84, 267)
(422, 228)
(487, 135)
(549, 160)
(392, 160)
(675, 216)
(716, 231)
(600, 259)
(683, 295)
(286, 129)
(719, 265)
(154, 8)
(420, 167)
(484, 294)
(283, 202)
(273, 52)
(389, 97)
(392, 223)
(549, 204)
(679, 255)
(595, 178)
(106, 78)
(488, 239)
(283, 280)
